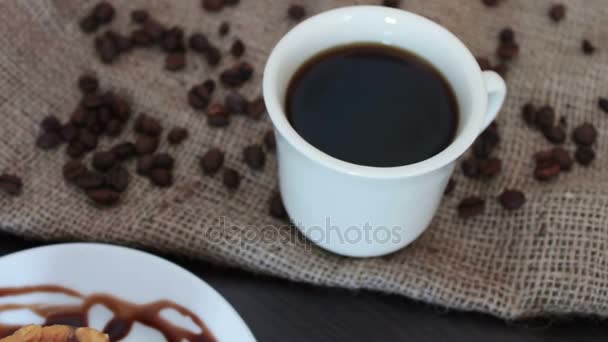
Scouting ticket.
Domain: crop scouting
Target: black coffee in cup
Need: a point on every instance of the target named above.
(372, 105)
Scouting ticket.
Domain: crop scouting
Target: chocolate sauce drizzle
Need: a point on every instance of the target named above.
(126, 314)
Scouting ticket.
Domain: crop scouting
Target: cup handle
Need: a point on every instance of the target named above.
(497, 92)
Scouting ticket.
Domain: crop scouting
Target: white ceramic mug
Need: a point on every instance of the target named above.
(364, 211)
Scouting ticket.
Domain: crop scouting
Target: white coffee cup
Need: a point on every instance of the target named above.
(364, 211)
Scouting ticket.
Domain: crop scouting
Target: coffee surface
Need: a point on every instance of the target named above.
(372, 105)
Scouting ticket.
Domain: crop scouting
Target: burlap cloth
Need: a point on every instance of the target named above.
(550, 257)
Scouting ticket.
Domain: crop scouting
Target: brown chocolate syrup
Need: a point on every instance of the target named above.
(125, 314)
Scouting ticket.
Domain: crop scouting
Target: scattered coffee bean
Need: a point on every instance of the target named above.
(106, 49)
(545, 117)
(76, 149)
(391, 3)
(154, 30)
(238, 48)
(104, 12)
(217, 115)
(584, 155)
(555, 134)
(163, 161)
(123, 43)
(120, 108)
(546, 171)
(470, 168)
(231, 3)
(507, 51)
(114, 128)
(512, 199)
(213, 56)
(528, 113)
(200, 95)
(51, 124)
(146, 144)
(140, 16)
(212, 161)
(198, 42)
(588, 47)
(11, 184)
(237, 75)
(254, 157)
(162, 178)
(213, 5)
(104, 197)
(256, 108)
(507, 35)
(563, 158)
(450, 187)
(90, 180)
(89, 24)
(124, 151)
(140, 38)
(224, 28)
(603, 104)
(173, 40)
(88, 84)
(175, 61)
(231, 179)
(490, 168)
(491, 3)
(48, 140)
(145, 124)
(69, 132)
(486, 142)
(484, 63)
(74, 169)
(235, 103)
(104, 160)
(177, 135)
(585, 134)
(471, 206)
(145, 164)
(88, 139)
(269, 140)
(557, 12)
(296, 12)
(502, 69)
(117, 178)
(277, 210)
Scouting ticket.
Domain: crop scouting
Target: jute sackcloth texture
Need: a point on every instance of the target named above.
(549, 257)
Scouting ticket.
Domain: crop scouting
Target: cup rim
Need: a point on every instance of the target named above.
(459, 145)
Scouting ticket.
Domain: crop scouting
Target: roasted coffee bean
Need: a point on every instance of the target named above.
(198, 42)
(507, 51)
(88, 84)
(588, 47)
(104, 197)
(545, 117)
(124, 151)
(512, 199)
(449, 188)
(104, 160)
(603, 104)
(584, 155)
(471, 206)
(528, 113)
(74, 169)
(562, 157)
(177, 135)
(231, 77)
(145, 124)
(277, 210)
(224, 28)
(237, 49)
(51, 124)
(117, 178)
(48, 140)
(484, 63)
(161, 178)
(296, 12)
(90, 180)
(11, 184)
(491, 3)
(154, 30)
(104, 115)
(254, 157)
(470, 168)
(93, 101)
(490, 168)
(89, 24)
(104, 12)
(145, 164)
(114, 128)
(217, 115)
(585, 134)
(88, 139)
(269, 140)
(123, 43)
(546, 171)
(483, 148)
(231, 178)
(140, 16)
(212, 161)
(557, 12)
(391, 3)
(173, 40)
(507, 35)
(76, 149)
(120, 108)
(231, 2)
(501, 68)
(175, 61)
(140, 38)
(256, 108)
(69, 132)
(163, 161)
(555, 134)
(213, 56)
(213, 5)
(200, 95)
(145, 144)
(235, 103)
(106, 49)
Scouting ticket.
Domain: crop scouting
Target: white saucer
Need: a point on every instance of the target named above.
(128, 274)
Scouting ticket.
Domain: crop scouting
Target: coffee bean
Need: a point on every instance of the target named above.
(507, 51)
(88, 139)
(238, 48)
(254, 157)
(104, 12)
(212, 161)
(231, 2)
(470, 168)
(123, 43)
(450, 187)
(200, 95)
(154, 30)
(237, 75)
(120, 108)
(74, 169)
(231, 179)
(161, 178)
(545, 117)
(198, 42)
(484, 63)
(546, 171)
(269, 140)
(587, 47)
(104, 197)
(88, 24)
(104, 160)
(502, 69)
(140, 16)
(584, 155)
(117, 178)
(483, 148)
(140, 38)
(585, 134)
(491, 3)
(173, 40)
(145, 124)
(391, 3)
(235, 103)
(256, 108)
(163, 161)
(562, 157)
(106, 49)
(51, 124)
(11, 184)
(90, 180)
(104, 115)
(557, 12)
(277, 210)
(145, 164)
(490, 168)
(175, 61)
(124, 151)
(177, 135)
(296, 12)
(146, 144)
(471, 206)
(114, 128)
(507, 35)
(213, 5)
(69, 132)
(555, 134)
(88, 84)
(76, 149)
(528, 113)
(602, 103)
(217, 115)
(213, 56)
(224, 28)
(48, 140)
(512, 199)
(92, 101)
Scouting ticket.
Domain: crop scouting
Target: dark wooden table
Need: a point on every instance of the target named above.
(277, 310)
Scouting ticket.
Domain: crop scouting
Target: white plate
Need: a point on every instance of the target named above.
(125, 273)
